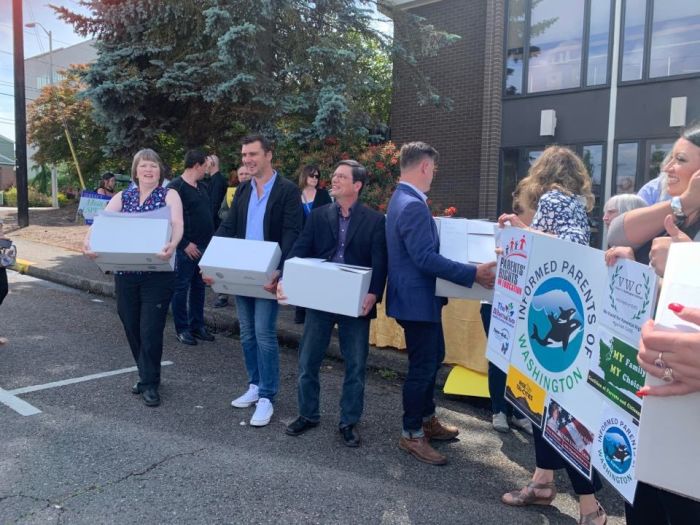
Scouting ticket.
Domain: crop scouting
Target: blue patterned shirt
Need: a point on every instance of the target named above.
(562, 215)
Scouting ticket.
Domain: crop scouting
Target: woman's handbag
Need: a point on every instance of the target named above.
(8, 253)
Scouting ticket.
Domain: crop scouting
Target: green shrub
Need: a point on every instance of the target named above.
(36, 199)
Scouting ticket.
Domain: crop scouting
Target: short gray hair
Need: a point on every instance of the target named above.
(624, 202)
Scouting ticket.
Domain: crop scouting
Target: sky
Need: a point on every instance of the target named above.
(35, 42)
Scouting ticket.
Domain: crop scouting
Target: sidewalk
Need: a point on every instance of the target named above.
(71, 268)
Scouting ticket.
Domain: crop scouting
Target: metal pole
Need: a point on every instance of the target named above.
(54, 186)
(20, 116)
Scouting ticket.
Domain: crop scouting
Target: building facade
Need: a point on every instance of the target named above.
(616, 80)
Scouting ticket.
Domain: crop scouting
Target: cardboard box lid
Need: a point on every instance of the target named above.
(129, 233)
(241, 254)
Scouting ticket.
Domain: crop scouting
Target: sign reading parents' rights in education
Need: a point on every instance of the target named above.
(91, 203)
(566, 327)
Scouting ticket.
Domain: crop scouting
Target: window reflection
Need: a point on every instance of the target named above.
(556, 35)
(515, 46)
(509, 179)
(633, 43)
(593, 159)
(598, 43)
(626, 167)
(657, 152)
(675, 38)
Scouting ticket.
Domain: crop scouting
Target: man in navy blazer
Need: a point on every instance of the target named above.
(348, 232)
(265, 208)
(414, 263)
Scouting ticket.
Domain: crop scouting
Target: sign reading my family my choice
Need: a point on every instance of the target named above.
(565, 328)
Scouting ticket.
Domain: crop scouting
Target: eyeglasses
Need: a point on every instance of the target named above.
(314, 175)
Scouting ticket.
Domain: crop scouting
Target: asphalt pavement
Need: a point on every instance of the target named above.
(93, 453)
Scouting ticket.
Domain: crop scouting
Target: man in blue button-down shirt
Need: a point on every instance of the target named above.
(266, 208)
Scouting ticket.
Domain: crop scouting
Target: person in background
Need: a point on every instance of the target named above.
(414, 263)
(312, 197)
(619, 204)
(3, 279)
(216, 184)
(107, 182)
(643, 233)
(188, 299)
(143, 297)
(351, 233)
(504, 415)
(235, 178)
(558, 186)
(266, 208)
(656, 190)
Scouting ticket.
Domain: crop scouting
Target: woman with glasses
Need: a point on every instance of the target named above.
(312, 197)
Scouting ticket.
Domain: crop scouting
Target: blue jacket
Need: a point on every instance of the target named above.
(414, 260)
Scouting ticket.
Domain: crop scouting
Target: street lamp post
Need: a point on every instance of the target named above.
(54, 176)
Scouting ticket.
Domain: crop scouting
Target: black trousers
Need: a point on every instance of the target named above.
(3, 284)
(142, 304)
(654, 506)
(425, 344)
(548, 458)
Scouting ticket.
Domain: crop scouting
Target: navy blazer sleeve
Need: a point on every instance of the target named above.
(379, 259)
(416, 231)
(304, 243)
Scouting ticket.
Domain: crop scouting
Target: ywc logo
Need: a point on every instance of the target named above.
(555, 324)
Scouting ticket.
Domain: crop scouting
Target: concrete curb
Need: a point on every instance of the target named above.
(381, 360)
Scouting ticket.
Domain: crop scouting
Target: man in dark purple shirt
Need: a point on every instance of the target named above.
(345, 231)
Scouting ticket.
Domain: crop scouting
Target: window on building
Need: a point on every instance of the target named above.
(509, 179)
(598, 43)
(626, 167)
(592, 155)
(515, 46)
(657, 153)
(675, 38)
(545, 45)
(556, 43)
(633, 39)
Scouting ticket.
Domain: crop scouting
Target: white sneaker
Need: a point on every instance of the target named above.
(248, 399)
(500, 422)
(521, 423)
(263, 413)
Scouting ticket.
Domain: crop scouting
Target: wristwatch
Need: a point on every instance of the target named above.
(677, 210)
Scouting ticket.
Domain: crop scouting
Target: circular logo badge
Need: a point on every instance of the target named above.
(617, 450)
(555, 322)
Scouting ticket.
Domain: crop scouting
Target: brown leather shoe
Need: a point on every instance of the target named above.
(433, 429)
(422, 451)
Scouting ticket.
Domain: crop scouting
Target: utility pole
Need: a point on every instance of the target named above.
(54, 179)
(20, 116)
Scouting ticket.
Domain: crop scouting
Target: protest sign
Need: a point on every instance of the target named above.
(91, 204)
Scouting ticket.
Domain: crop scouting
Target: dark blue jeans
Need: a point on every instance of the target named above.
(353, 334)
(425, 344)
(142, 304)
(258, 320)
(188, 299)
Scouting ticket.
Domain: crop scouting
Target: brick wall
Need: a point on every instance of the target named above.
(7, 177)
(458, 73)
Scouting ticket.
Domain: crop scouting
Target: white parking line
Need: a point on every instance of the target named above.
(10, 399)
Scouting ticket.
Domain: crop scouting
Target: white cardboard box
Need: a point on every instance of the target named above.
(326, 286)
(669, 426)
(466, 241)
(240, 266)
(129, 242)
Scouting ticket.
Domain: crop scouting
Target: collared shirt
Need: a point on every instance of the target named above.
(256, 209)
(652, 191)
(420, 193)
(343, 226)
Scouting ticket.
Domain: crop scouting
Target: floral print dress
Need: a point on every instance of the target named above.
(562, 215)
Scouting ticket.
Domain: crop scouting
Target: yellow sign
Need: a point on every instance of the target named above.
(526, 395)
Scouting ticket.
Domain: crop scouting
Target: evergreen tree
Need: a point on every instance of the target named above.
(207, 71)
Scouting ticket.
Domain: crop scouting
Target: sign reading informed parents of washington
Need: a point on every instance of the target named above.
(565, 328)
